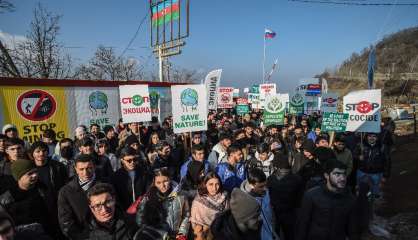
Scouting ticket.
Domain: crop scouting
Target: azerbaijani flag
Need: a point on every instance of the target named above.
(269, 33)
(165, 11)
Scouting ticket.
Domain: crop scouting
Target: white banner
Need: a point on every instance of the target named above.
(254, 99)
(135, 103)
(212, 82)
(189, 108)
(96, 105)
(266, 90)
(225, 97)
(363, 108)
(329, 102)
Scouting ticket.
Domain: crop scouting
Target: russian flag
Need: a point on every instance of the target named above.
(269, 33)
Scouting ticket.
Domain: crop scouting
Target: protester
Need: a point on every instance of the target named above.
(106, 221)
(327, 211)
(174, 205)
(73, 206)
(263, 159)
(210, 201)
(241, 222)
(219, 151)
(232, 172)
(131, 180)
(67, 154)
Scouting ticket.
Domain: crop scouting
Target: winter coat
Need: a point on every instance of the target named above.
(103, 167)
(231, 177)
(267, 227)
(177, 209)
(374, 159)
(312, 135)
(312, 174)
(205, 208)
(184, 167)
(218, 155)
(299, 160)
(73, 208)
(120, 230)
(127, 191)
(225, 227)
(345, 157)
(266, 166)
(325, 215)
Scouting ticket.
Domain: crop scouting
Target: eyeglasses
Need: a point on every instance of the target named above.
(130, 160)
(107, 204)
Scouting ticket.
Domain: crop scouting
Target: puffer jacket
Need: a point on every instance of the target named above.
(218, 155)
(177, 209)
(326, 215)
(374, 159)
(231, 177)
(184, 167)
(266, 166)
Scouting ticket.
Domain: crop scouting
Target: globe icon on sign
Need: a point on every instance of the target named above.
(189, 98)
(98, 102)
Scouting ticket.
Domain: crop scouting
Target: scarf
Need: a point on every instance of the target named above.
(87, 184)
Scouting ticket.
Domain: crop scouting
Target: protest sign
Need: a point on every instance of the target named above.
(329, 102)
(267, 89)
(296, 103)
(189, 108)
(225, 97)
(254, 99)
(274, 110)
(242, 107)
(236, 92)
(212, 82)
(332, 121)
(135, 103)
(363, 108)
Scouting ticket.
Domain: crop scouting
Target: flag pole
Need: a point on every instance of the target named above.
(264, 53)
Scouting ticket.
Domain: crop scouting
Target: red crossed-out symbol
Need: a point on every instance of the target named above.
(36, 105)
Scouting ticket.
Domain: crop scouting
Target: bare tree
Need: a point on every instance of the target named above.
(41, 54)
(105, 65)
(183, 75)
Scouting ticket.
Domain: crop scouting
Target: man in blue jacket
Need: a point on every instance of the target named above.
(232, 172)
(198, 154)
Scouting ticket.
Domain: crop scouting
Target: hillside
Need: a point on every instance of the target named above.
(396, 70)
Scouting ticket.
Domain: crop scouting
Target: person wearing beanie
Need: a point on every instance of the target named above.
(241, 222)
(311, 172)
(329, 211)
(10, 130)
(24, 201)
(256, 186)
(286, 191)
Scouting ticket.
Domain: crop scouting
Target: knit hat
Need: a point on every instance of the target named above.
(8, 127)
(243, 206)
(20, 167)
(131, 140)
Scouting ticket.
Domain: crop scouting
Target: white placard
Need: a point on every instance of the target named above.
(135, 103)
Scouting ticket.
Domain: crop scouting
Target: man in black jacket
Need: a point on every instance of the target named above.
(286, 190)
(105, 222)
(328, 211)
(72, 201)
(130, 181)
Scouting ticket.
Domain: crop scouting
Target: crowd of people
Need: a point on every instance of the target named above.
(239, 180)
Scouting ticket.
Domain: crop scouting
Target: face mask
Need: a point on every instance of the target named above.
(67, 152)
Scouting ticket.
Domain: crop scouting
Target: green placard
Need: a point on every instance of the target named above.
(297, 103)
(334, 122)
(242, 109)
(274, 111)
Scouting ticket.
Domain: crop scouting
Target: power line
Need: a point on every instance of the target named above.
(135, 35)
(354, 3)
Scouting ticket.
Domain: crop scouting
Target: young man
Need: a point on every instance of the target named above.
(219, 153)
(72, 202)
(67, 153)
(232, 172)
(105, 221)
(198, 154)
(49, 137)
(102, 163)
(263, 159)
(241, 222)
(13, 148)
(131, 180)
(328, 211)
(256, 186)
(95, 132)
